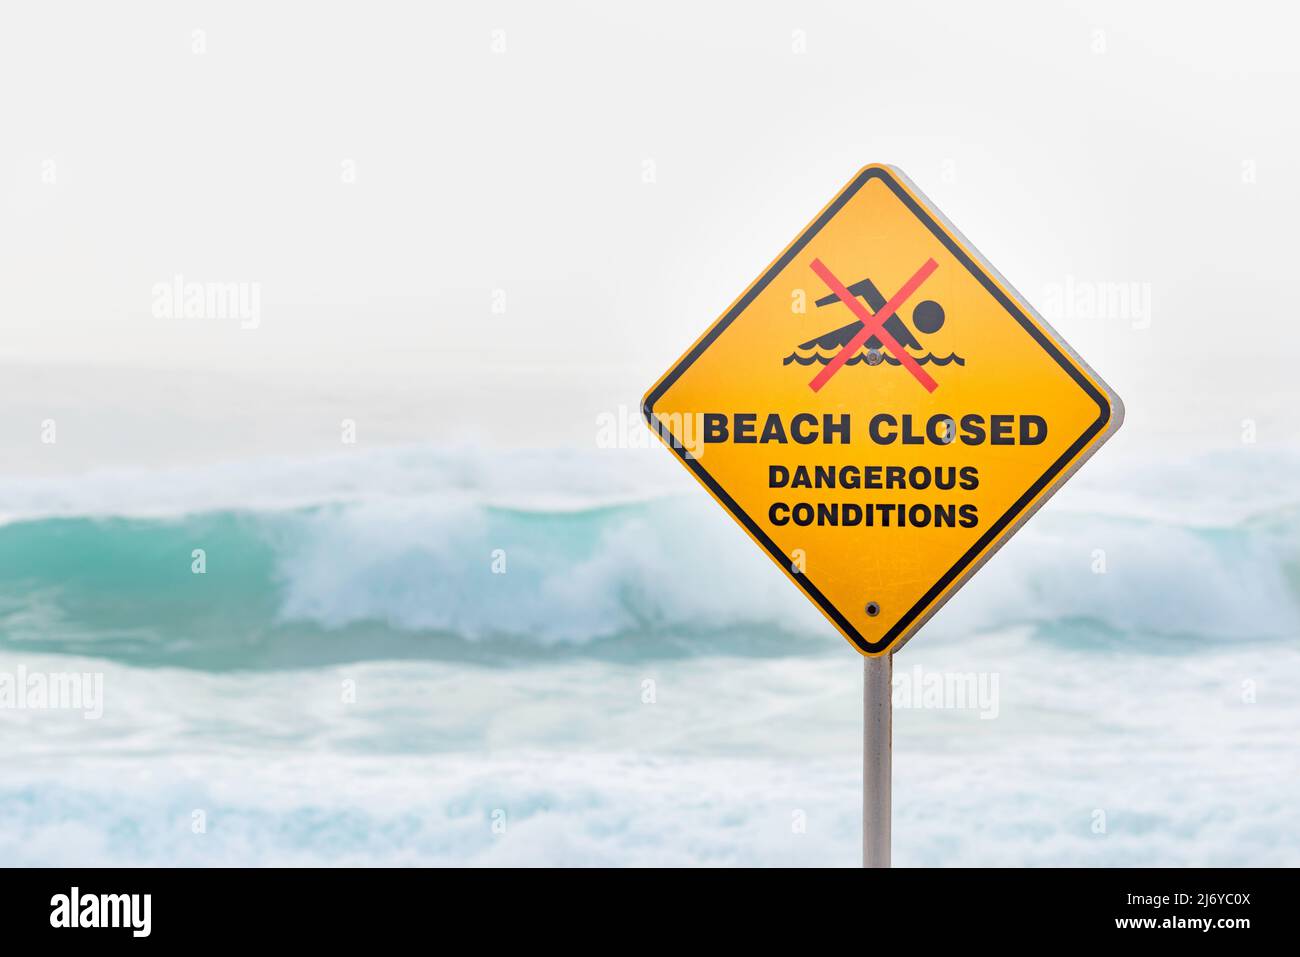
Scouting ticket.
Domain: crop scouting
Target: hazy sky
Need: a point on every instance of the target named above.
(388, 172)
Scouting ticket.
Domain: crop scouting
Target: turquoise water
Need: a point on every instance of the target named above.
(467, 657)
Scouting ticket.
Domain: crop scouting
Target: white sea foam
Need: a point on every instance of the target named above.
(682, 565)
(735, 762)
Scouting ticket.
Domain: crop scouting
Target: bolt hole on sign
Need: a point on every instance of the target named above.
(880, 410)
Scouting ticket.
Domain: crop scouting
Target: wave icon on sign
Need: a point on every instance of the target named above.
(927, 319)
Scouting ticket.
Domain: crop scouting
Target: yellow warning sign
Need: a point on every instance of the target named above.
(880, 410)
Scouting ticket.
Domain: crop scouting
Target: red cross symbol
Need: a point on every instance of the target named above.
(873, 325)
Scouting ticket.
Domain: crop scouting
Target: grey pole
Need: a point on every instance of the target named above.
(877, 758)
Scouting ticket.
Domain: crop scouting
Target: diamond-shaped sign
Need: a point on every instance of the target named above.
(880, 410)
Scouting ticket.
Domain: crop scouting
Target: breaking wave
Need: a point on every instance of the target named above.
(449, 564)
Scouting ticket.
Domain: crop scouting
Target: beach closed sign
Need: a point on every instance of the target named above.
(880, 410)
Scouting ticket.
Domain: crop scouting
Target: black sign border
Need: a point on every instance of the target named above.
(964, 563)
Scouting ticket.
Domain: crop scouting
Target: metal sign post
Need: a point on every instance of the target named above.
(877, 758)
(880, 411)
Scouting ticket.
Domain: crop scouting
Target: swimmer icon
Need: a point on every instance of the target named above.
(927, 316)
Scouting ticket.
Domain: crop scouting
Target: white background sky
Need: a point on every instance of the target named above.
(1103, 141)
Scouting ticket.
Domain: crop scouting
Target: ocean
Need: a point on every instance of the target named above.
(467, 656)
